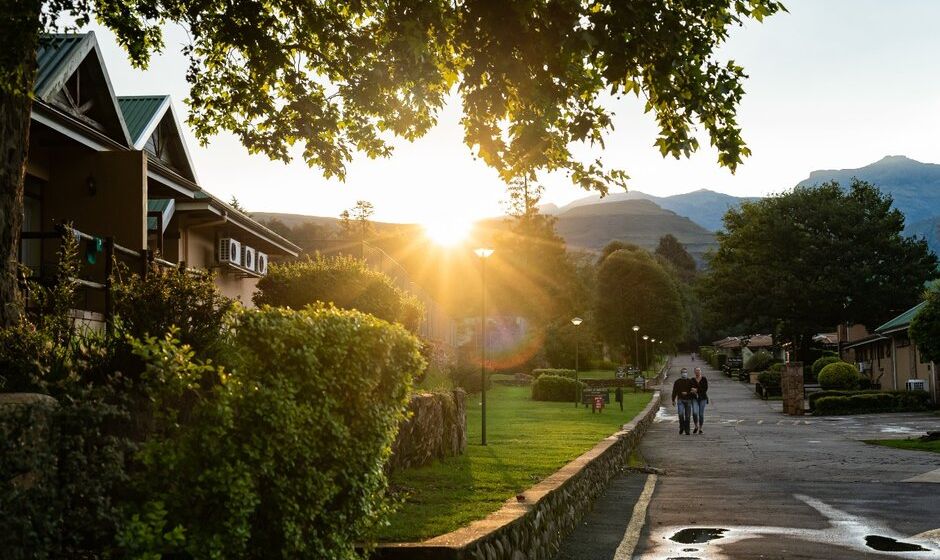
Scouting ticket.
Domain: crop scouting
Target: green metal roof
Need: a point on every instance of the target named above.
(56, 52)
(140, 111)
(902, 320)
(166, 206)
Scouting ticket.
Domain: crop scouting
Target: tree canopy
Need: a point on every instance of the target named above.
(670, 249)
(807, 260)
(925, 327)
(634, 289)
(334, 78)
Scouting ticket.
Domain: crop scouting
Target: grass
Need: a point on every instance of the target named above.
(527, 441)
(912, 444)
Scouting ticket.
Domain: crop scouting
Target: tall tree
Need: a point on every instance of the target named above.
(670, 249)
(634, 289)
(807, 260)
(925, 326)
(333, 77)
(357, 221)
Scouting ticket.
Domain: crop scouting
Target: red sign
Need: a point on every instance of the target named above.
(598, 402)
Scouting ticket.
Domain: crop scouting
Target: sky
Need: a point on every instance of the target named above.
(831, 85)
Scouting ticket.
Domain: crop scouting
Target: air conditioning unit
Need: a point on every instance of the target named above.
(261, 263)
(916, 385)
(248, 258)
(230, 251)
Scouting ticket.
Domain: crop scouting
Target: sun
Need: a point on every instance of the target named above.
(447, 230)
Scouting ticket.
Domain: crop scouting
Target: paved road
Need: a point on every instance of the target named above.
(779, 486)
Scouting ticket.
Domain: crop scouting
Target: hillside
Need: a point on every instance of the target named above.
(643, 222)
(704, 207)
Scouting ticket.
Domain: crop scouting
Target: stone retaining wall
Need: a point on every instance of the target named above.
(533, 528)
(436, 428)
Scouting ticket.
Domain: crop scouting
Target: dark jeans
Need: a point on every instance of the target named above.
(685, 412)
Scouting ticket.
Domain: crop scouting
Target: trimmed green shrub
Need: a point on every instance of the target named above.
(759, 361)
(536, 373)
(345, 282)
(769, 378)
(820, 363)
(776, 367)
(839, 375)
(855, 404)
(555, 388)
(861, 402)
(284, 458)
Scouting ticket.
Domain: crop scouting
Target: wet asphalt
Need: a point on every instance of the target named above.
(778, 486)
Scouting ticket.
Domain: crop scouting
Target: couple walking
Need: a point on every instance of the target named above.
(691, 396)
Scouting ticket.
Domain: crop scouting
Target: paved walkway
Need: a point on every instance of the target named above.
(778, 486)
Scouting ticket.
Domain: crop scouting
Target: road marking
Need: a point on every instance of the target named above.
(632, 535)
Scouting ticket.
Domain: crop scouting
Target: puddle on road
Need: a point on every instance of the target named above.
(698, 535)
(887, 544)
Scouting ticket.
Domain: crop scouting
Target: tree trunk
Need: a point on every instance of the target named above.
(19, 33)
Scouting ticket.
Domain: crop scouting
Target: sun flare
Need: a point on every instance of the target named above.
(447, 230)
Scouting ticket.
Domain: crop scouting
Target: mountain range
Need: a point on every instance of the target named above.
(591, 222)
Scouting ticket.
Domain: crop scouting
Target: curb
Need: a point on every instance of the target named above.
(534, 528)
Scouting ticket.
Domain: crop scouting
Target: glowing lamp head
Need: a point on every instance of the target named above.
(635, 328)
(646, 337)
(483, 252)
(652, 340)
(577, 321)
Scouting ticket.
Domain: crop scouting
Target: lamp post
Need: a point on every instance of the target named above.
(653, 341)
(577, 342)
(646, 348)
(636, 344)
(483, 253)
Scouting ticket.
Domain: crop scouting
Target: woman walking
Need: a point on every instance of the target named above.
(699, 400)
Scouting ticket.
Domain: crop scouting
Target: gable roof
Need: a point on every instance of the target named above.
(902, 321)
(61, 56)
(143, 114)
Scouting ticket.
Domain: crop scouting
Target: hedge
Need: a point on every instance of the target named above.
(769, 378)
(345, 282)
(839, 375)
(555, 388)
(283, 459)
(558, 372)
(861, 402)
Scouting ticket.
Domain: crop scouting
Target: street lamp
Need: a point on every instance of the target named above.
(646, 347)
(484, 254)
(636, 345)
(576, 321)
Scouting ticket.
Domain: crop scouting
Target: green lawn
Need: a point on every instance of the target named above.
(527, 441)
(912, 444)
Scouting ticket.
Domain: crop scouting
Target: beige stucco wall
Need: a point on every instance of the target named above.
(198, 249)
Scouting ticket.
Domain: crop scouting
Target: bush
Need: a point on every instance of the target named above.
(769, 379)
(150, 305)
(285, 457)
(819, 364)
(558, 372)
(872, 402)
(555, 388)
(776, 367)
(466, 375)
(759, 361)
(839, 375)
(861, 402)
(343, 281)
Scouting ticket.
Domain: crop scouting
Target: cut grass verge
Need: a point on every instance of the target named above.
(912, 444)
(526, 442)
